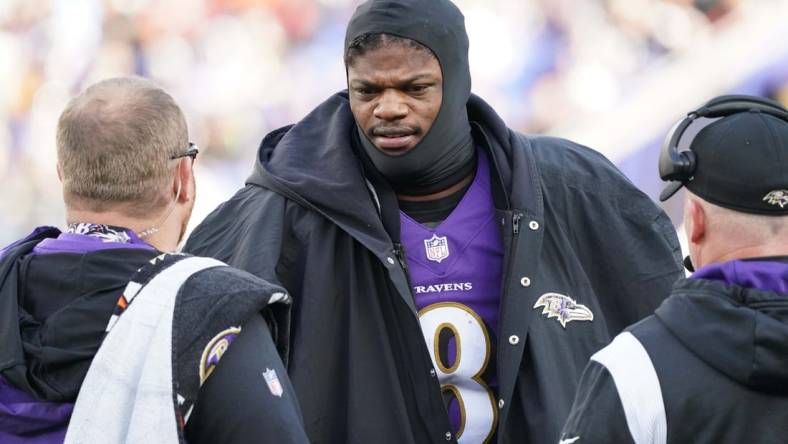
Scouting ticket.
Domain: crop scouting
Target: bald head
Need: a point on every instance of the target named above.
(718, 234)
(114, 144)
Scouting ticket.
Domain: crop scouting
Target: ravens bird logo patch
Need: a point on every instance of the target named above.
(777, 197)
(563, 308)
(214, 351)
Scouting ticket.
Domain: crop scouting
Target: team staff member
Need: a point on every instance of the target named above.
(126, 166)
(439, 262)
(710, 365)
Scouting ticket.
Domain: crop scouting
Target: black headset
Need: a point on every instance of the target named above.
(679, 166)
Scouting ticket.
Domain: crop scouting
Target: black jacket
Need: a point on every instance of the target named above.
(570, 223)
(718, 355)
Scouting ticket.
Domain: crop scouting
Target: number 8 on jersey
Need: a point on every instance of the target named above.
(460, 347)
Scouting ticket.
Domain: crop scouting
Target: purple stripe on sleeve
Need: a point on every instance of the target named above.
(37, 232)
(24, 419)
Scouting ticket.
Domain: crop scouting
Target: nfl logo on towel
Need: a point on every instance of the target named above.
(437, 248)
(273, 382)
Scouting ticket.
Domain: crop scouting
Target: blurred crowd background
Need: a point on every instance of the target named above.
(612, 74)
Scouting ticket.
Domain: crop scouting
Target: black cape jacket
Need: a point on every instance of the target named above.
(718, 354)
(308, 220)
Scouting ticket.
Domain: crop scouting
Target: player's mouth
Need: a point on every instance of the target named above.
(394, 141)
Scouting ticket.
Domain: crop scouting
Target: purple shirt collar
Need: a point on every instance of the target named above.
(762, 274)
(83, 243)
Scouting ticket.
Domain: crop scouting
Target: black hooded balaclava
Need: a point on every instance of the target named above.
(446, 154)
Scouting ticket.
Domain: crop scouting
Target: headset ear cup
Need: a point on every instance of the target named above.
(672, 165)
(688, 163)
(682, 168)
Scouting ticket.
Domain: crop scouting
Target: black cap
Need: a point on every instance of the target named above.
(741, 164)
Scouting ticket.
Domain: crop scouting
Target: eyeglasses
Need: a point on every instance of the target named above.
(192, 152)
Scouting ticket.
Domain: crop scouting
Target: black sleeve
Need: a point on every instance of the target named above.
(597, 416)
(630, 248)
(248, 398)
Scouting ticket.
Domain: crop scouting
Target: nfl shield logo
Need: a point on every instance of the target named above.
(437, 248)
(273, 382)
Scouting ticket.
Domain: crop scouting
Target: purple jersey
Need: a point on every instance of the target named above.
(455, 272)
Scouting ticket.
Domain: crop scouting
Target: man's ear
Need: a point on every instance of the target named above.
(698, 221)
(182, 185)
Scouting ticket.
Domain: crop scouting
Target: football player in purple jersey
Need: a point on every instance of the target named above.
(450, 276)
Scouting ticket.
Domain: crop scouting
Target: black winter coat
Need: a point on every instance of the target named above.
(717, 355)
(309, 220)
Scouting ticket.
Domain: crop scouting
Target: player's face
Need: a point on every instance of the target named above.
(395, 96)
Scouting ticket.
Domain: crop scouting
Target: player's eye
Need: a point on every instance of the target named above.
(364, 90)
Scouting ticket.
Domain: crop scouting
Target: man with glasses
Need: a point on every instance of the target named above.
(107, 339)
